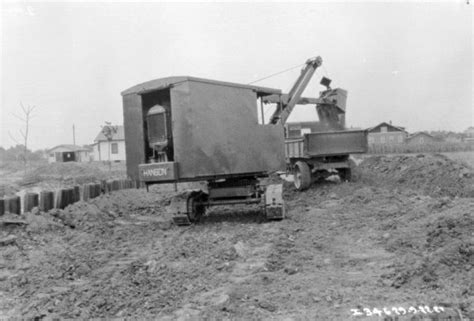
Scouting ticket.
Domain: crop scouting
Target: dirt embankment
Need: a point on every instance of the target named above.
(373, 243)
(435, 175)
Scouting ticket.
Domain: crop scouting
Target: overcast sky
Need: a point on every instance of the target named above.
(409, 63)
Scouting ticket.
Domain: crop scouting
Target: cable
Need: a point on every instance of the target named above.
(280, 72)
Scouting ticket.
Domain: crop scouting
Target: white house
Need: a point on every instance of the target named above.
(113, 149)
(69, 153)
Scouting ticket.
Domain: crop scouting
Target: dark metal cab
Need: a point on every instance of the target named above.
(183, 128)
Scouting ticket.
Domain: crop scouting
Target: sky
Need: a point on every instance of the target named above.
(405, 62)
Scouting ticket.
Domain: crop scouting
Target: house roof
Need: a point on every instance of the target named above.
(118, 135)
(421, 134)
(72, 148)
(167, 82)
(399, 128)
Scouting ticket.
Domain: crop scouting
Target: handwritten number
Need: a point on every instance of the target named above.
(368, 312)
(356, 312)
(412, 310)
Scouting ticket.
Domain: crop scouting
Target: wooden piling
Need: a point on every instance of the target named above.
(70, 196)
(86, 190)
(46, 201)
(59, 199)
(64, 197)
(96, 189)
(14, 204)
(2, 206)
(103, 187)
(77, 194)
(30, 200)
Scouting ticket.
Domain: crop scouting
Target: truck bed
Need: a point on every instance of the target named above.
(321, 144)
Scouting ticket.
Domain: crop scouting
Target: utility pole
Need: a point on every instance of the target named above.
(73, 134)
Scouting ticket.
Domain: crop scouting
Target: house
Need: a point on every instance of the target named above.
(69, 153)
(421, 138)
(453, 137)
(469, 135)
(112, 149)
(386, 134)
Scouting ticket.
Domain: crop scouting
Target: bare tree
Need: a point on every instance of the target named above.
(25, 118)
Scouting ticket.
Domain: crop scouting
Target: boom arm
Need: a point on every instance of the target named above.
(284, 108)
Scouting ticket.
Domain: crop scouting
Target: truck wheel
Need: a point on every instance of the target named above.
(302, 176)
(345, 174)
(195, 207)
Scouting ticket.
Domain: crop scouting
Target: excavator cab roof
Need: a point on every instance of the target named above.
(163, 83)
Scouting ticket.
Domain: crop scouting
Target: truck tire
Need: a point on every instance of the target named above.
(302, 176)
(345, 174)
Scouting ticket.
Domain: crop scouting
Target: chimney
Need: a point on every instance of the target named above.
(390, 122)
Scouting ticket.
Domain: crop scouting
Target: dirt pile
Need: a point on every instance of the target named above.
(435, 250)
(435, 175)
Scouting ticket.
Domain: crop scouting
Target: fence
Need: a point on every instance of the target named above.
(421, 148)
(47, 200)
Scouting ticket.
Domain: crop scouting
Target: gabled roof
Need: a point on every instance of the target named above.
(399, 128)
(119, 135)
(70, 147)
(417, 134)
(168, 82)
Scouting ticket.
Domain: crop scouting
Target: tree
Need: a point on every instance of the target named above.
(109, 130)
(27, 115)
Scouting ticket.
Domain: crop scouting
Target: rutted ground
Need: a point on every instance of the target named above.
(377, 242)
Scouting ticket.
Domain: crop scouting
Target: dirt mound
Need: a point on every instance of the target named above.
(436, 251)
(434, 175)
(344, 247)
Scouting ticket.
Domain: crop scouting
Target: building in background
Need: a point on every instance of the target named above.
(421, 138)
(386, 134)
(70, 153)
(113, 147)
(469, 135)
(453, 137)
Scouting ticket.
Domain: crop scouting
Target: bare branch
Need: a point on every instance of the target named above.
(13, 138)
(23, 107)
(20, 118)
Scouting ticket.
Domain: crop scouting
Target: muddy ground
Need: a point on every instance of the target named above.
(399, 237)
(39, 175)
